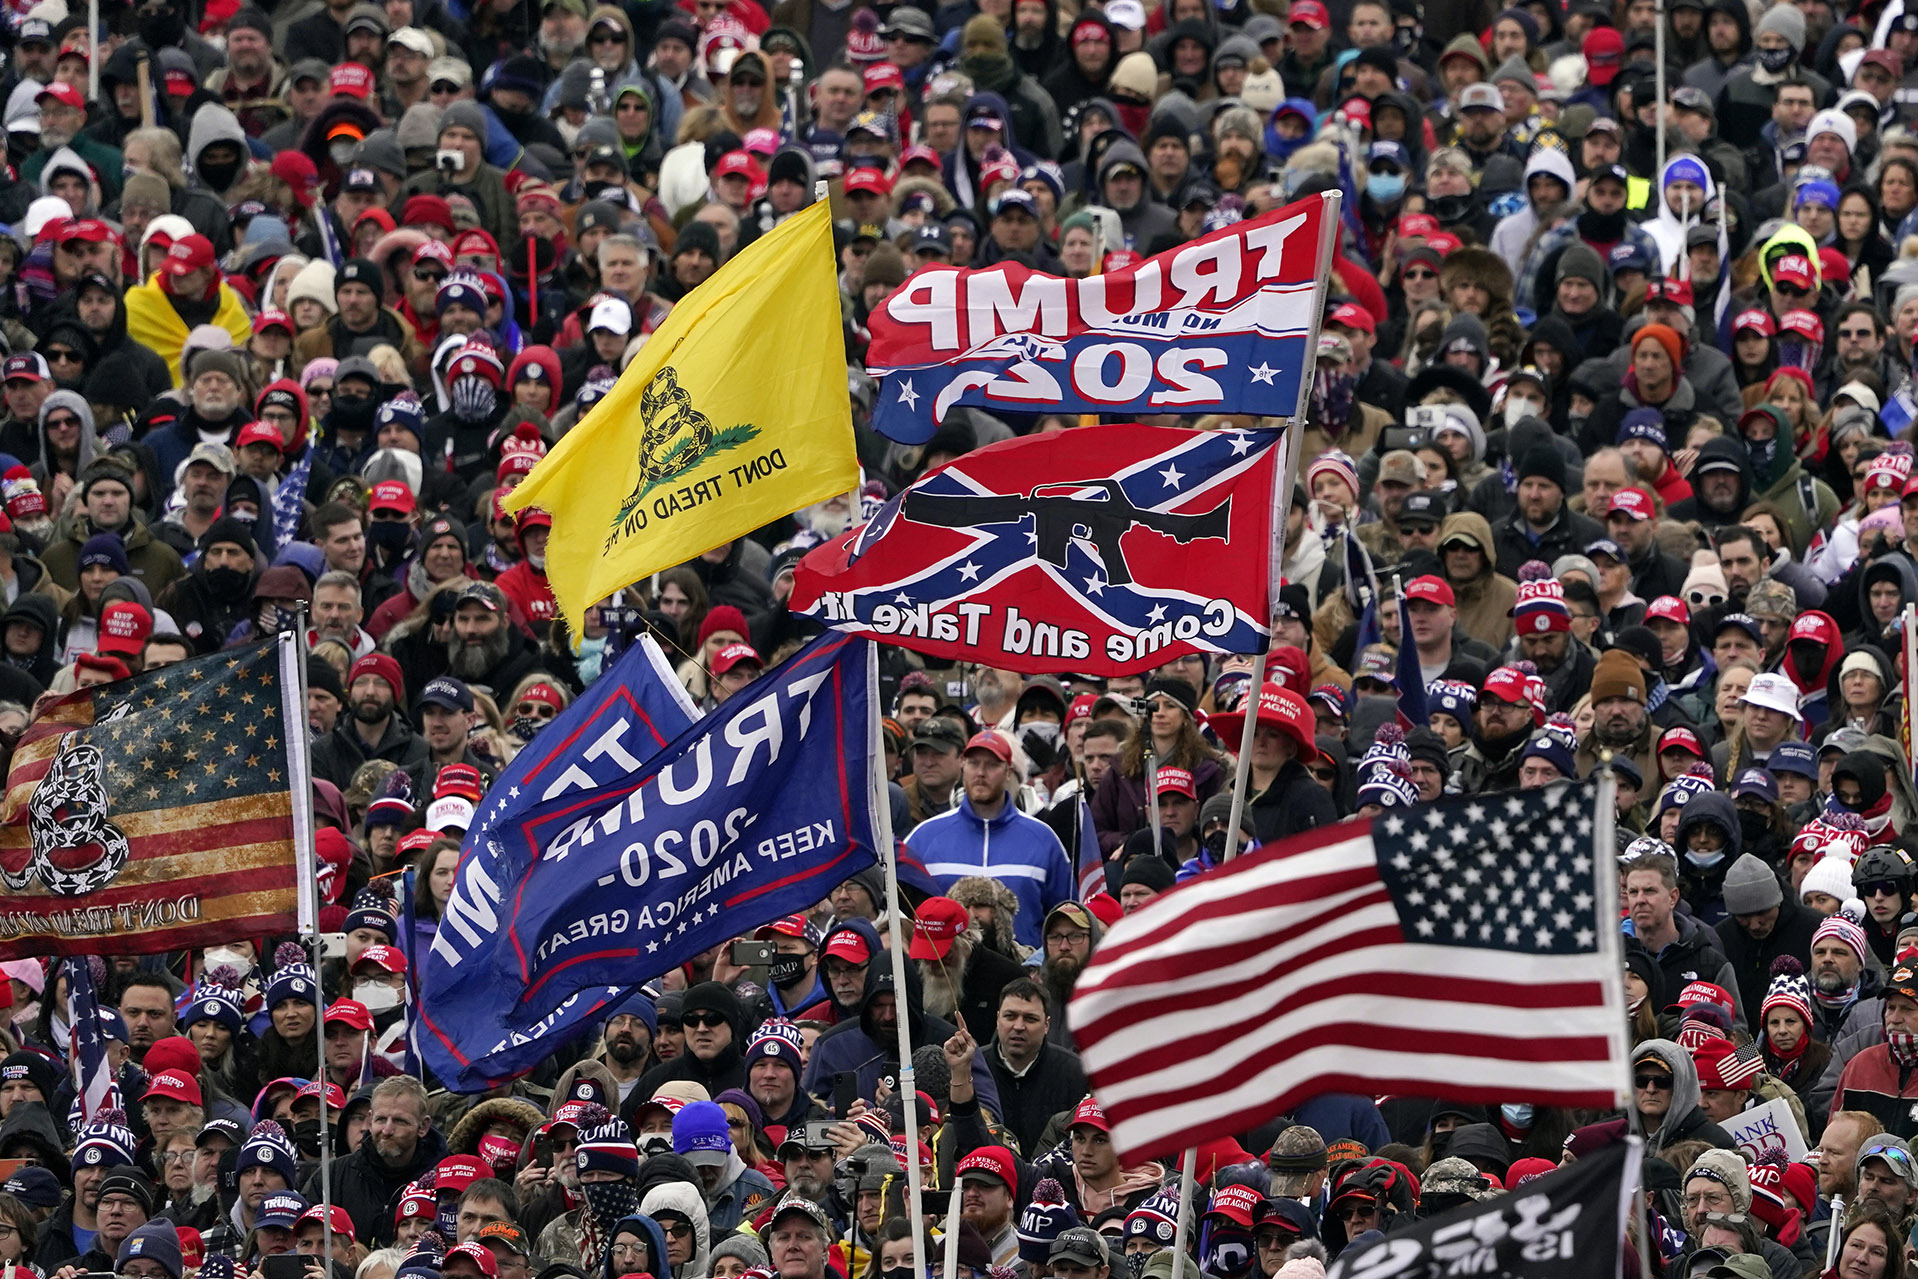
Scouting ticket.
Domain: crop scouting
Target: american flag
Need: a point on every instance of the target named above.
(1089, 862)
(93, 1083)
(1455, 949)
(289, 501)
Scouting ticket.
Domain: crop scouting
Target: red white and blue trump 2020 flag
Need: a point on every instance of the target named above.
(1451, 950)
(1219, 325)
(1108, 549)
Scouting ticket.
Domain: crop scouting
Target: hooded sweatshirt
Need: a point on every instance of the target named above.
(1683, 1120)
(1701, 876)
(76, 404)
(684, 1199)
(1513, 235)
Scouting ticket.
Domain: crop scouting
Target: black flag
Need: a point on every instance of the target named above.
(1574, 1217)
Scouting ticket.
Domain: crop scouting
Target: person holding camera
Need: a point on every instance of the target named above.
(460, 165)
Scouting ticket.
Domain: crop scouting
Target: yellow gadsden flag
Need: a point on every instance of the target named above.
(734, 414)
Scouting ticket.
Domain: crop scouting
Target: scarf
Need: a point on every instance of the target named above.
(1903, 1046)
(1785, 1064)
(1836, 1005)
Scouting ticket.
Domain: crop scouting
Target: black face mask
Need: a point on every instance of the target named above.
(306, 1136)
(602, 190)
(785, 969)
(351, 412)
(390, 536)
(1449, 209)
(218, 175)
(228, 583)
(161, 28)
(1753, 827)
(1776, 60)
(1603, 227)
(1215, 844)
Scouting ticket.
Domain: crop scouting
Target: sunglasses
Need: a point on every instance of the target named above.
(1789, 290)
(702, 1021)
(1356, 1212)
(1420, 275)
(443, 86)
(317, 389)
(1879, 888)
(535, 710)
(1861, 335)
(61, 355)
(62, 420)
(428, 277)
(632, 106)
(608, 38)
(1661, 1083)
(1703, 599)
(1324, 774)
(677, 1229)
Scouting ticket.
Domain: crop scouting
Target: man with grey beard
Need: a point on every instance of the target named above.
(958, 976)
(997, 692)
(485, 647)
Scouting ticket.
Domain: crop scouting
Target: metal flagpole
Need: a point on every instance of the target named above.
(1182, 1229)
(298, 731)
(896, 939)
(93, 49)
(1658, 75)
(952, 1227)
(1152, 786)
(1612, 948)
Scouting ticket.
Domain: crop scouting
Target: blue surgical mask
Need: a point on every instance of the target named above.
(1704, 861)
(1385, 187)
(1518, 1115)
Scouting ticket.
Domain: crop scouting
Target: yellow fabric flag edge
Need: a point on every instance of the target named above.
(579, 579)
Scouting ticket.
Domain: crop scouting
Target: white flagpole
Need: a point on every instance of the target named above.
(1181, 1230)
(952, 1227)
(1152, 786)
(299, 747)
(1612, 947)
(881, 800)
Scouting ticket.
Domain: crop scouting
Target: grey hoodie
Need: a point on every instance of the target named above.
(1147, 220)
(1684, 1094)
(212, 123)
(679, 1197)
(74, 403)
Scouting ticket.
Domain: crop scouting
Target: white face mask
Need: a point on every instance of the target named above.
(1517, 409)
(379, 998)
(223, 958)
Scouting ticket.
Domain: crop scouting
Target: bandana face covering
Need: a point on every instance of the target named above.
(473, 399)
(1903, 1045)
(609, 1201)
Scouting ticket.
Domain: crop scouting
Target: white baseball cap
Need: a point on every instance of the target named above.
(613, 315)
(1774, 692)
(1129, 14)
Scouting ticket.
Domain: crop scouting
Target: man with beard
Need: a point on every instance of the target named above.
(486, 648)
(400, 1144)
(377, 730)
(1879, 1080)
(217, 593)
(773, 1064)
(1505, 718)
(1619, 721)
(809, 1167)
(1860, 338)
(628, 1041)
(1544, 623)
(1069, 937)
(997, 692)
(961, 978)
(1037, 1078)
(1840, 976)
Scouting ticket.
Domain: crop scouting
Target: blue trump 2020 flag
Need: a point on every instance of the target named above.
(753, 813)
(606, 737)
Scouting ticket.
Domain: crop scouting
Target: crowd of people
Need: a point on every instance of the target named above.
(1617, 387)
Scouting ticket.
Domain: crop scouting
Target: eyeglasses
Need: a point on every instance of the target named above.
(702, 1021)
(177, 1157)
(1275, 1238)
(1066, 939)
(629, 1250)
(1660, 1083)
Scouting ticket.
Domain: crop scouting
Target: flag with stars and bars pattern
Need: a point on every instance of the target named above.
(155, 813)
(1454, 949)
(1107, 549)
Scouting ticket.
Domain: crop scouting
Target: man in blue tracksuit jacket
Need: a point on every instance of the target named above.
(986, 834)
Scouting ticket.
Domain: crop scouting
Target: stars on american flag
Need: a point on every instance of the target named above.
(1511, 873)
